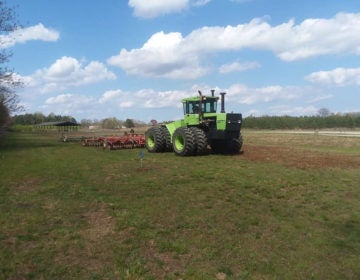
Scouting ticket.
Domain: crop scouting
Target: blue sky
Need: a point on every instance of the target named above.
(138, 58)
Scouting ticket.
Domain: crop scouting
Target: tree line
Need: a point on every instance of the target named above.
(108, 123)
(351, 120)
(37, 118)
(111, 123)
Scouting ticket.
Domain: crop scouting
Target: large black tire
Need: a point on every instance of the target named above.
(154, 140)
(234, 146)
(183, 142)
(240, 143)
(167, 137)
(201, 141)
(227, 147)
(218, 146)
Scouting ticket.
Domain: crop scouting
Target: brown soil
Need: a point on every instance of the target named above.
(100, 225)
(161, 264)
(299, 158)
(94, 254)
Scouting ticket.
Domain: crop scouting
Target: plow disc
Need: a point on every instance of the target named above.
(129, 141)
(93, 142)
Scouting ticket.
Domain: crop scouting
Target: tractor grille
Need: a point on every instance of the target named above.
(233, 122)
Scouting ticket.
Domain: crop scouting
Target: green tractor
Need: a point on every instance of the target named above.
(202, 130)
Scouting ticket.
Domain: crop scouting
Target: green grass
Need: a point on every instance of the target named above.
(73, 212)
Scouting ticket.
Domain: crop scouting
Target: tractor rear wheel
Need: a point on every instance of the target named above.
(201, 141)
(183, 142)
(154, 140)
(234, 146)
(218, 146)
(228, 147)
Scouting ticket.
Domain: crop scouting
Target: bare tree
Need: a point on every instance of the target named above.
(9, 100)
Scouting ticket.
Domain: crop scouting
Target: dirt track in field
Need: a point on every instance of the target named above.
(299, 158)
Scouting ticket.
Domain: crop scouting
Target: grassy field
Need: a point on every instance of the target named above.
(288, 207)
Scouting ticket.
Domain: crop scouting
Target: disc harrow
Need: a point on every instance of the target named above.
(128, 141)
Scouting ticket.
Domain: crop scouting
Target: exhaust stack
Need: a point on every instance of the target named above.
(222, 102)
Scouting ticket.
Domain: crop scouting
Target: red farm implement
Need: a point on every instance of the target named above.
(93, 141)
(128, 141)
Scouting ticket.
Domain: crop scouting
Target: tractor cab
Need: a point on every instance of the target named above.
(200, 105)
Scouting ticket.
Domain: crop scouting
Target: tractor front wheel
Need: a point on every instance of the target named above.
(167, 138)
(154, 140)
(201, 142)
(183, 142)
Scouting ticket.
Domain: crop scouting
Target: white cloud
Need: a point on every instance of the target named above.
(126, 104)
(319, 97)
(238, 67)
(118, 98)
(242, 94)
(171, 55)
(241, 1)
(154, 8)
(170, 98)
(68, 72)
(236, 94)
(160, 56)
(336, 77)
(110, 95)
(63, 67)
(282, 110)
(145, 104)
(144, 98)
(67, 104)
(22, 35)
(312, 37)
(63, 98)
(199, 3)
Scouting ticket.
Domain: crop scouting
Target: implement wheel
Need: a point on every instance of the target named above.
(183, 142)
(154, 140)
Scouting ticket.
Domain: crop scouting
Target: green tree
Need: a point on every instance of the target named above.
(110, 123)
(38, 117)
(129, 123)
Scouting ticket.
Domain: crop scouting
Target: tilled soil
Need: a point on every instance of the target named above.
(299, 158)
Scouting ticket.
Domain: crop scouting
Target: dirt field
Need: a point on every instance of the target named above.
(299, 158)
(338, 132)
